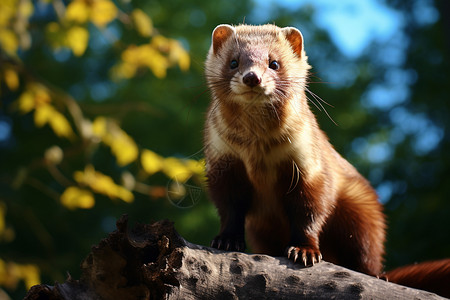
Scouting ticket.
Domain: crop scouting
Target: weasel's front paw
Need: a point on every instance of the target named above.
(306, 254)
(229, 243)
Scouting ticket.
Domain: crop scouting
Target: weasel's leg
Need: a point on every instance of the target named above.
(304, 232)
(305, 205)
(231, 191)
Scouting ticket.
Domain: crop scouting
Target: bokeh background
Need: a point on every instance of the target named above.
(102, 105)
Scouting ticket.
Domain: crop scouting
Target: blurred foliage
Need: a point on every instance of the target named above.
(102, 109)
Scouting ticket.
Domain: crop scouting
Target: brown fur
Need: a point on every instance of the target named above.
(433, 276)
(270, 167)
(273, 172)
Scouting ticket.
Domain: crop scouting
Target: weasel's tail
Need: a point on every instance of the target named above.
(432, 276)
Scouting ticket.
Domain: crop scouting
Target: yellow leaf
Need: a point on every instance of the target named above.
(30, 274)
(122, 145)
(77, 39)
(41, 95)
(26, 102)
(151, 162)
(11, 273)
(8, 41)
(25, 9)
(6, 278)
(43, 114)
(6, 11)
(103, 12)
(184, 61)
(155, 61)
(11, 79)
(176, 170)
(102, 184)
(74, 197)
(196, 166)
(124, 149)
(125, 194)
(77, 11)
(161, 43)
(99, 126)
(149, 56)
(61, 127)
(179, 55)
(159, 70)
(132, 54)
(142, 22)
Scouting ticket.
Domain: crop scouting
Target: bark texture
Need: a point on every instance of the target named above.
(152, 261)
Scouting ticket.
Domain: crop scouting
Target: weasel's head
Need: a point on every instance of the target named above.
(256, 64)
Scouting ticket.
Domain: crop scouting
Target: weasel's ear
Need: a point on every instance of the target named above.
(220, 34)
(295, 38)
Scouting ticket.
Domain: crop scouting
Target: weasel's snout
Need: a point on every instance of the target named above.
(251, 79)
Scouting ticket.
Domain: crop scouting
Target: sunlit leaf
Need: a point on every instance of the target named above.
(11, 79)
(124, 149)
(142, 22)
(74, 197)
(175, 169)
(60, 125)
(179, 55)
(159, 69)
(25, 8)
(41, 95)
(11, 273)
(151, 162)
(196, 166)
(43, 114)
(77, 39)
(161, 43)
(103, 12)
(78, 11)
(129, 55)
(125, 194)
(146, 56)
(99, 126)
(155, 61)
(26, 102)
(7, 11)
(184, 61)
(30, 274)
(8, 41)
(102, 184)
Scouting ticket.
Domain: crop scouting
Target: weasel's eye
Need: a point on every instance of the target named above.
(274, 65)
(234, 64)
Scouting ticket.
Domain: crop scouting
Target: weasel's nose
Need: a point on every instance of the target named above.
(251, 79)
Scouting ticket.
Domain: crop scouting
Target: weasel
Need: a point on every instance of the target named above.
(272, 173)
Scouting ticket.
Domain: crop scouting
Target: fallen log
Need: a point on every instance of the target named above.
(152, 261)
